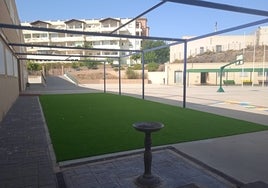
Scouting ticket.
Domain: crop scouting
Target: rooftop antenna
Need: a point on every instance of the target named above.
(216, 26)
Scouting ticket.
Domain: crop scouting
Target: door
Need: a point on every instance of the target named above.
(178, 77)
(203, 77)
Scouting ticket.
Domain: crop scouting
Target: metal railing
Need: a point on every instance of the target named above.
(71, 78)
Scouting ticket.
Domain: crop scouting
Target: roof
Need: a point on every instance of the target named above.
(39, 22)
(73, 20)
(106, 19)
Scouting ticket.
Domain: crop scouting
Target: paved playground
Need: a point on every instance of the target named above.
(247, 98)
(27, 158)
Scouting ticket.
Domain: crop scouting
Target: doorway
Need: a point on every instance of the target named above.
(203, 78)
(178, 77)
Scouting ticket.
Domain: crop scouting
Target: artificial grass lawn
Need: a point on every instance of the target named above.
(82, 125)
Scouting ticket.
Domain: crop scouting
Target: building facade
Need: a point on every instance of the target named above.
(13, 73)
(214, 49)
(219, 43)
(108, 25)
(250, 73)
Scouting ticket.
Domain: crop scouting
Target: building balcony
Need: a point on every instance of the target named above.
(36, 40)
(67, 39)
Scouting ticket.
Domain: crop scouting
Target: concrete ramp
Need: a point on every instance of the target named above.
(56, 85)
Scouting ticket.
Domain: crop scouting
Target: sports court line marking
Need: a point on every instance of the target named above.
(244, 104)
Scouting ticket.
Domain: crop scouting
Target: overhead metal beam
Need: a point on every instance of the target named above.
(221, 7)
(38, 59)
(230, 29)
(70, 47)
(63, 55)
(140, 15)
(95, 34)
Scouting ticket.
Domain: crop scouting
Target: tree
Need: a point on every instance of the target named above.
(32, 66)
(152, 67)
(135, 57)
(156, 56)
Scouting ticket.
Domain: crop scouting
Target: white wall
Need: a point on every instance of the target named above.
(156, 77)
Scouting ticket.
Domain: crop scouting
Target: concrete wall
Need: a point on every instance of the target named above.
(34, 79)
(156, 77)
(9, 94)
(13, 74)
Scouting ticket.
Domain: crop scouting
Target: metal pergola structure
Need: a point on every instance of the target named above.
(173, 41)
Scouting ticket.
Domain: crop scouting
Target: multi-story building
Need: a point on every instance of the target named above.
(219, 43)
(13, 74)
(254, 70)
(108, 25)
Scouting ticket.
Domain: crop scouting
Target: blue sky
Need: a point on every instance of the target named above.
(169, 20)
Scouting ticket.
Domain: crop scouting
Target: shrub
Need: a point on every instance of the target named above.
(131, 74)
(75, 65)
(137, 66)
(152, 67)
(91, 65)
(31, 66)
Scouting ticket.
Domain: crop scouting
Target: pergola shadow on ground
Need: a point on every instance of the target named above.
(171, 41)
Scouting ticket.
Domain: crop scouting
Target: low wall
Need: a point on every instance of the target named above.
(34, 79)
(113, 81)
(156, 77)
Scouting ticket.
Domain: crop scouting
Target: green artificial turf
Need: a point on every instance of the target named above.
(82, 125)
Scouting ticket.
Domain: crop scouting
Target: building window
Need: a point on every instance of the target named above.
(96, 43)
(178, 77)
(202, 50)
(218, 48)
(2, 60)
(113, 42)
(261, 73)
(27, 36)
(9, 62)
(105, 42)
(15, 66)
(54, 35)
(105, 25)
(78, 26)
(40, 35)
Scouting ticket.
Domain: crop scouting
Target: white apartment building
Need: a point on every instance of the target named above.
(138, 27)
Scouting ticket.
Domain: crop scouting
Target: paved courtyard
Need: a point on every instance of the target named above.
(27, 158)
(173, 170)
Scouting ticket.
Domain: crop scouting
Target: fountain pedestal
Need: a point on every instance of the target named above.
(148, 179)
